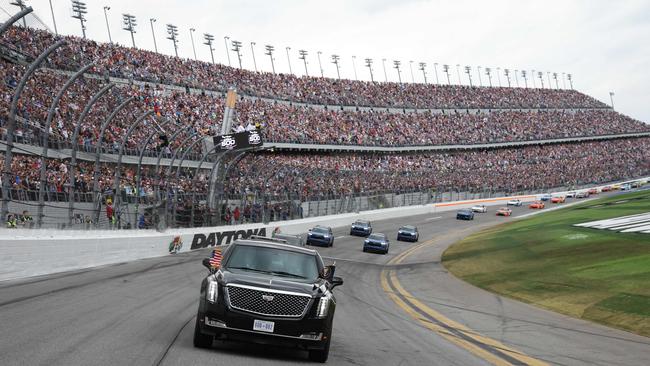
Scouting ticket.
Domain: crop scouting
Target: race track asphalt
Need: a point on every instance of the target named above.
(394, 309)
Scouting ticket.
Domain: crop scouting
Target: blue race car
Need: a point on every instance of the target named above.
(378, 243)
(408, 233)
(464, 214)
(361, 228)
(320, 235)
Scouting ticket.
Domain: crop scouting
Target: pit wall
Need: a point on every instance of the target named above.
(32, 252)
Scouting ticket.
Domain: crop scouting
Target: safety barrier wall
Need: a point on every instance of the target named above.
(27, 253)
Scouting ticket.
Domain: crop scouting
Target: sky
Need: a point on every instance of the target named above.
(604, 44)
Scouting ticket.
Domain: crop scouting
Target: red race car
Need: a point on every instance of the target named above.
(592, 191)
(558, 199)
(504, 211)
(536, 205)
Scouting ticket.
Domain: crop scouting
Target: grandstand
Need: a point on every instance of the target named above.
(135, 123)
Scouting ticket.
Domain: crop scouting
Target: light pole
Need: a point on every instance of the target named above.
(523, 75)
(478, 71)
(396, 64)
(354, 67)
(236, 46)
(411, 68)
(172, 32)
(129, 23)
(435, 70)
(79, 11)
(517, 77)
(541, 78)
(499, 75)
(253, 53)
(423, 68)
(548, 76)
(192, 30)
(445, 69)
(225, 42)
(383, 63)
(532, 75)
(153, 34)
(488, 72)
(458, 72)
(209, 38)
(557, 85)
(56, 31)
(335, 61)
(269, 52)
(563, 80)
(507, 73)
(289, 59)
(570, 77)
(611, 98)
(303, 57)
(106, 8)
(21, 4)
(319, 63)
(468, 71)
(369, 66)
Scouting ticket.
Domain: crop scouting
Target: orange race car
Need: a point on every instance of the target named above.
(558, 199)
(504, 211)
(536, 204)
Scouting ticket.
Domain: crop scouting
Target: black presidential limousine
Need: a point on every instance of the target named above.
(266, 291)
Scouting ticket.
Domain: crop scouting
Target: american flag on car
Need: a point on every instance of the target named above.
(215, 259)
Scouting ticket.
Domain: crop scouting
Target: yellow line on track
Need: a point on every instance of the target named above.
(464, 337)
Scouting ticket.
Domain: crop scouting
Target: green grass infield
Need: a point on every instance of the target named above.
(598, 275)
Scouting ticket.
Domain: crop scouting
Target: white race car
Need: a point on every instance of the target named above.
(479, 208)
(571, 194)
(514, 203)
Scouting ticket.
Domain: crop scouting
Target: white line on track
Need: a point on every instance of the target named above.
(341, 237)
(433, 218)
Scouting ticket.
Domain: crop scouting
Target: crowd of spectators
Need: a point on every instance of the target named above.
(310, 175)
(509, 170)
(201, 114)
(119, 61)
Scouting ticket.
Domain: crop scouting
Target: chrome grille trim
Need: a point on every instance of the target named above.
(249, 299)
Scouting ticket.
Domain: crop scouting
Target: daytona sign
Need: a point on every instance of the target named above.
(224, 237)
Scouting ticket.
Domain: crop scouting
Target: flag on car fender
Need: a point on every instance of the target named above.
(215, 258)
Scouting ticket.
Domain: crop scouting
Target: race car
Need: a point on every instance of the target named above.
(504, 211)
(479, 208)
(582, 194)
(571, 194)
(408, 233)
(558, 199)
(514, 203)
(536, 205)
(606, 189)
(464, 214)
(546, 197)
(361, 228)
(378, 243)
(593, 191)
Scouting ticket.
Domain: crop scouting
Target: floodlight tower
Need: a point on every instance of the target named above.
(335, 61)
(172, 32)
(209, 38)
(369, 66)
(445, 69)
(423, 68)
(79, 12)
(541, 78)
(128, 24)
(523, 75)
(269, 52)
(468, 71)
(303, 57)
(570, 78)
(236, 46)
(396, 65)
(507, 73)
(106, 9)
(488, 72)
